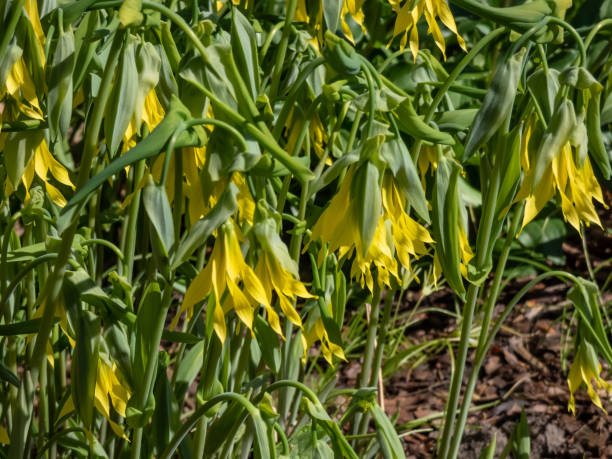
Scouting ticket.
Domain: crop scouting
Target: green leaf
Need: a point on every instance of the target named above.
(148, 64)
(366, 194)
(151, 146)
(188, 368)
(458, 120)
(8, 376)
(412, 124)
(157, 208)
(543, 85)
(396, 155)
(244, 50)
(269, 344)
(149, 310)
(445, 204)
(489, 451)
(59, 97)
(555, 137)
(389, 440)
(225, 207)
(18, 150)
(265, 231)
(119, 347)
(20, 328)
(497, 104)
(12, 54)
(331, 13)
(84, 366)
(122, 103)
(521, 444)
(90, 293)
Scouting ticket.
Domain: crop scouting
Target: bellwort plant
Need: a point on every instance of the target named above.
(210, 207)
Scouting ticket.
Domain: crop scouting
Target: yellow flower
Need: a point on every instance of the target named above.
(278, 273)
(395, 232)
(586, 368)
(316, 333)
(20, 87)
(410, 12)
(409, 237)
(152, 114)
(225, 269)
(576, 185)
(428, 159)
(4, 436)
(40, 163)
(109, 385)
(466, 256)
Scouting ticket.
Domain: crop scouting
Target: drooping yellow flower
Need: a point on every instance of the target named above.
(409, 12)
(576, 185)
(586, 368)
(316, 333)
(110, 384)
(396, 233)
(409, 237)
(152, 114)
(428, 159)
(225, 269)
(20, 87)
(4, 436)
(466, 254)
(278, 274)
(40, 163)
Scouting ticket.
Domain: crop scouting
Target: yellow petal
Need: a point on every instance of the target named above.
(4, 437)
(55, 195)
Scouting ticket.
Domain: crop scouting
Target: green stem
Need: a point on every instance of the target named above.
(371, 101)
(9, 32)
(483, 240)
(488, 310)
(23, 125)
(132, 221)
(594, 31)
(194, 418)
(105, 243)
(51, 292)
(281, 51)
(475, 51)
(574, 34)
(147, 387)
(368, 353)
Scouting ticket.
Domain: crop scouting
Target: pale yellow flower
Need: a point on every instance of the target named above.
(586, 369)
(409, 12)
(111, 390)
(225, 269)
(576, 185)
(396, 233)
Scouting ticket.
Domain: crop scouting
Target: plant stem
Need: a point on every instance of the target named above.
(475, 51)
(480, 350)
(147, 387)
(483, 240)
(281, 51)
(132, 222)
(368, 353)
(50, 294)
